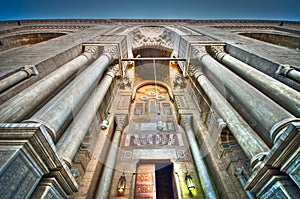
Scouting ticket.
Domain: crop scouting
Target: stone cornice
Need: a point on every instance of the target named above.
(114, 21)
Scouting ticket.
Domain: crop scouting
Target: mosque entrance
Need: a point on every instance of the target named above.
(154, 180)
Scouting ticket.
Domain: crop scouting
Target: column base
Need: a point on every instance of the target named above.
(278, 173)
(279, 187)
(49, 187)
(27, 154)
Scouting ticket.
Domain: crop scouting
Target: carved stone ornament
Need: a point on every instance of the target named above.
(153, 36)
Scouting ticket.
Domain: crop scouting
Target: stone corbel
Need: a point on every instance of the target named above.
(27, 154)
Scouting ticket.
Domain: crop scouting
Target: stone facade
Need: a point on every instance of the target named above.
(149, 109)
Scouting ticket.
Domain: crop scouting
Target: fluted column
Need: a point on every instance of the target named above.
(253, 146)
(279, 92)
(259, 111)
(15, 78)
(70, 141)
(59, 110)
(106, 178)
(21, 105)
(208, 188)
(289, 72)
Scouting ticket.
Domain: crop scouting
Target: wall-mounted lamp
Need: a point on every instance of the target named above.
(221, 123)
(189, 182)
(121, 184)
(159, 125)
(105, 123)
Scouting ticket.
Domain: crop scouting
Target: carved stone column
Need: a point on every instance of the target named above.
(70, 141)
(253, 146)
(256, 108)
(289, 72)
(106, 178)
(15, 78)
(208, 188)
(279, 92)
(21, 105)
(59, 110)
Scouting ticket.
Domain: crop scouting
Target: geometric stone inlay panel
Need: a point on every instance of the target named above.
(144, 140)
(152, 127)
(19, 177)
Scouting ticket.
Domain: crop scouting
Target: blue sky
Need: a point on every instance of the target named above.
(154, 9)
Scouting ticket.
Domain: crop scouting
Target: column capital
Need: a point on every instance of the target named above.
(114, 69)
(198, 51)
(217, 52)
(121, 121)
(193, 71)
(111, 51)
(186, 121)
(91, 52)
(283, 69)
(30, 70)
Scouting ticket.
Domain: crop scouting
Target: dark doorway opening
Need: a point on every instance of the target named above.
(164, 181)
(155, 179)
